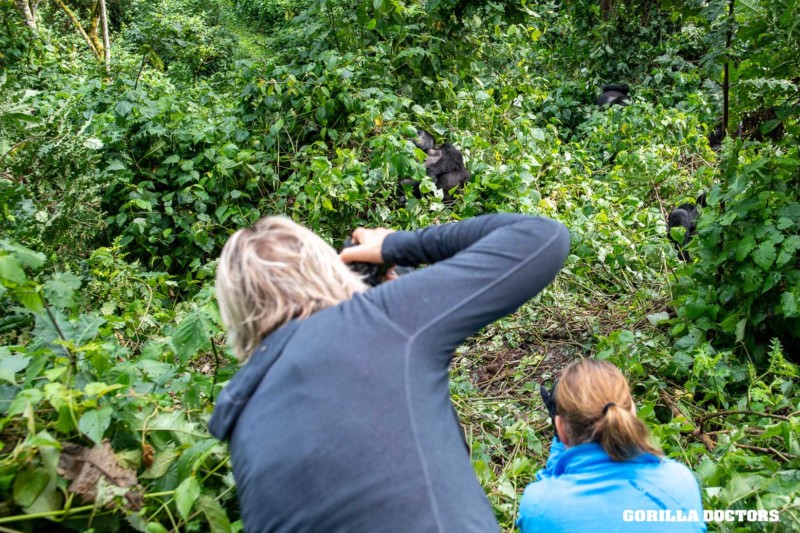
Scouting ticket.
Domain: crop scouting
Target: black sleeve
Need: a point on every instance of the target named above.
(482, 269)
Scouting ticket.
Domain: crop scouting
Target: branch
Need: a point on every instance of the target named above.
(78, 26)
(708, 416)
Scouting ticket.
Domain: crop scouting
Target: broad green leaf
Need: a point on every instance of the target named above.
(98, 390)
(789, 304)
(191, 335)
(161, 464)
(95, 422)
(677, 233)
(30, 300)
(214, 513)
(657, 318)
(185, 496)
(11, 364)
(123, 107)
(23, 399)
(155, 527)
(764, 255)
(174, 158)
(789, 249)
(745, 246)
(26, 256)
(741, 486)
(60, 289)
(740, 329)
(11, 270)
(29, 484)
(626, 337)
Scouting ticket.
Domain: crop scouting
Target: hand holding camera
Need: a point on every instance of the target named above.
(362, 253)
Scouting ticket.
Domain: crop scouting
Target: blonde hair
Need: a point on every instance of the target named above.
(272, 273)
(595, 401)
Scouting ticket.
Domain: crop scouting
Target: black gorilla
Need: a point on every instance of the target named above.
(716, 137)
(613, 95)
(685, 215)
(444, 164)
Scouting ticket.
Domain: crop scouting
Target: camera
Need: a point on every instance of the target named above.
(373, 274)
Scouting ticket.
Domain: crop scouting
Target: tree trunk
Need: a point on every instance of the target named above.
(93, 25)
(106, 43)
(28, 11)
(79, 27)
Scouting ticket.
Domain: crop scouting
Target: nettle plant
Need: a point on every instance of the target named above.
(101, 430)
(745, 284)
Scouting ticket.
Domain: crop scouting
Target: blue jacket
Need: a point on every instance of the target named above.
(342, 422)
(582, 489)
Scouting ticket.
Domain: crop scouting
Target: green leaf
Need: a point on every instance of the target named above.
(185, 496)
(161, 464)
(740, 329)
(658, 318)
(788, 304)
(191, 335)
(115, 165)
(214, 513)
(155, 527)
(745, 246)
(788, 251)
(30, 300)
(11, 364)
(123, 107)
(764, 255)
(95, 422)
(171, 160)
(24, 255)
(29, 484)
(60, 289)
(677, 233)
(23, 399)
(11, 270)
(741, 486)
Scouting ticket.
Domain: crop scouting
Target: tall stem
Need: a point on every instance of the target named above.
(726, 80)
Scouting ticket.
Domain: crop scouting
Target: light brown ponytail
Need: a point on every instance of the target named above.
(595, 401)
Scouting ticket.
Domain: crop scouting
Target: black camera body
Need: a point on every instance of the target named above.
(372, 273)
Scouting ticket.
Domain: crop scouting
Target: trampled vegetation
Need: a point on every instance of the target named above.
(126, 161)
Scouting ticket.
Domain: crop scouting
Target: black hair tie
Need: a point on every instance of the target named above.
(606, 406)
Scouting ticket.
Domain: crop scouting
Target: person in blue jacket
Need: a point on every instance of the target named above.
(603, 474)
(341, 418)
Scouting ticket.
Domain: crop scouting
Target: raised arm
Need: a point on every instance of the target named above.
(482, 269)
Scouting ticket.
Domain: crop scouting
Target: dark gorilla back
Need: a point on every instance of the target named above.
(613, 95)
(444, 164)
(685, 215)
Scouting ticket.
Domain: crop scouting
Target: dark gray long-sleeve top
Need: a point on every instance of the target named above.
(343, 421)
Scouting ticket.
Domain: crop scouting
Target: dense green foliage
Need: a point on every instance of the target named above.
(118, 190)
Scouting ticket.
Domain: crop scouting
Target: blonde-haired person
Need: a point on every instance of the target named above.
(341, 418)
(603, 473)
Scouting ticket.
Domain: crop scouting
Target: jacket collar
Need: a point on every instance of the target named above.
(589, 456)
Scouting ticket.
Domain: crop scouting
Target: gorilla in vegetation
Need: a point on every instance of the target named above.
(444, 165)
(613, 95)
(685, 216)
